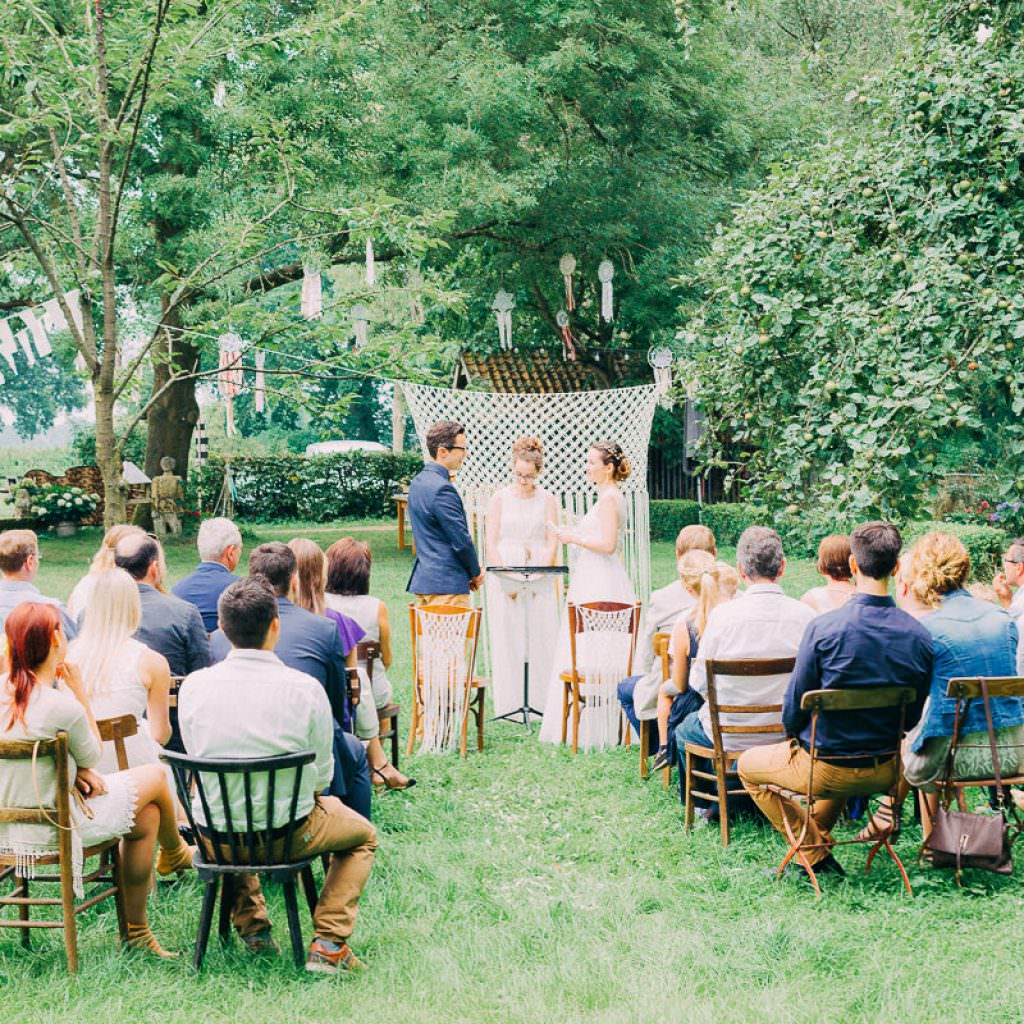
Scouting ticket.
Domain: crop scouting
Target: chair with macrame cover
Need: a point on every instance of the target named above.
(602, 643)
(445, 689)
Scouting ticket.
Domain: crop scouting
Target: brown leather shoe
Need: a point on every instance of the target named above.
(322, 960)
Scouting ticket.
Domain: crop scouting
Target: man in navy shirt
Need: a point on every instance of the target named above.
(220, 548)
(869, 642)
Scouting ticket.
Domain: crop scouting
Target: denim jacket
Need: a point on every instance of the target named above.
(972, 638)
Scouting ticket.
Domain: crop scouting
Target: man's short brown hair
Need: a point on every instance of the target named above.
(876, 546)
(442, 435)
(695, 538)
(16, 547)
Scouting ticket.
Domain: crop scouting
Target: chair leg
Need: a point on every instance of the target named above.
(205, 923)
(480, 719)
(115, 874)
(414, 722)
(464, 732)
(666, 777)
(644, 741)
(227, 899)
(309, 888)
(294, 925)
(688, 788)
(394, 740)
(21, 889)
(575, 716)
(723, 800)
(565, 710)
(67, 909)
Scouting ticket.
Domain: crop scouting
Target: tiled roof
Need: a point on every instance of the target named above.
(536, 372)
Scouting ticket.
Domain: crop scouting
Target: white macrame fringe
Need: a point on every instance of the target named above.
(443, 672)
(312, 294)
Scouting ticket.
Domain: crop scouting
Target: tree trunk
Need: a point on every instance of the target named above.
(107, 458)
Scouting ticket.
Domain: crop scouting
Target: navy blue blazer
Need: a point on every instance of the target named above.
(203, 588)
(446, 558)
(309, 643)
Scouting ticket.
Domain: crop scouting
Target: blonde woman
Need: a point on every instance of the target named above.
(308, 591)
(120, 675)
(103, 559)
(701, 577)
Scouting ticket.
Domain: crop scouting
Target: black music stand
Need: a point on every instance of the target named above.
(523, 580)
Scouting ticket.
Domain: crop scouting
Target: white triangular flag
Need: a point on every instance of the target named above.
(26, 346)
(53, 316)
(74, 301)
(80, 363)
(260, 397)
(38, 332)
(371, 269)
(312, 294)
(8, 346)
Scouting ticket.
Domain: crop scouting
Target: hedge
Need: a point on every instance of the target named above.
(320, 489)
(985, 544)
(669, 516)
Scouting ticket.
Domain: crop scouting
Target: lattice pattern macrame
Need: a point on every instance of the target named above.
(602, 662)
(445, 654)
(567, 424)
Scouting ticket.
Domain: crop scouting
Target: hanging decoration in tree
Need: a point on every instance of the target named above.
(568, 342)
(312, 294)
(261, 358)
(230, 379)
(605, 273)
(414, 284)
(371, 267)
(38, 332)
(33, 340)
(220, 93)
(567, 265)
(503, 304)
(26, 347)
(361, 321)
(661, 360)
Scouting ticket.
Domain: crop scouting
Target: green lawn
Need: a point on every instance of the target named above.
(525, 884)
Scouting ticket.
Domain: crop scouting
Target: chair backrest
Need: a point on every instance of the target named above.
(367, 652)
(245, 841)
(116, 731)
(743, 667)
(661, 642)
(861, 698)
(998, 686)
(604, 617)
(418, 620)
(172, 694)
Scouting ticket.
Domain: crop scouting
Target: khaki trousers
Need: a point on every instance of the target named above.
(459, 600)
(788, 764)
(351, 840)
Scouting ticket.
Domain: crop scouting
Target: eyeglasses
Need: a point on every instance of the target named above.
(1013, 561)
(458, 448)
(525, 478)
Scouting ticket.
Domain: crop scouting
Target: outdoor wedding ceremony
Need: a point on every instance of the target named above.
(511, 513)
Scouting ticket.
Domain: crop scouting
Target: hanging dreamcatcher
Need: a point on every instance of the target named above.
(661, 360)
(568, 342)
(503, 304)
(605, 273)
(567, 265)
(312, 294)
(361, 322)
(371, 266)
(230, 378)
(261, 358)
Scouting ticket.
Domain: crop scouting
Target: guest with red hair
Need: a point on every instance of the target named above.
(40, 696)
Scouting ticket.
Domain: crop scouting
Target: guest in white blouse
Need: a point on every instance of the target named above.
(834, 565)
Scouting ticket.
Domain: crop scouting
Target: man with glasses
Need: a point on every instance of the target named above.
(19, 566)
(1009, 580)
(446, 568)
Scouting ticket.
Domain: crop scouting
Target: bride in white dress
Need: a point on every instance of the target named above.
(518, 517)
(596, 573)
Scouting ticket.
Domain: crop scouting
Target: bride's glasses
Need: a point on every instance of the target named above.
(524, 478)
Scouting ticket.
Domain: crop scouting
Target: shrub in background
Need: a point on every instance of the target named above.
(669, 516)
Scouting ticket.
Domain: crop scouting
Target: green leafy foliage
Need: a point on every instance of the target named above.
(985, 544)
(865, 312)
(669, 516)
(57, 503)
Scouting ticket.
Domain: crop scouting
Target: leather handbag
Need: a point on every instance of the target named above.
(963, 840)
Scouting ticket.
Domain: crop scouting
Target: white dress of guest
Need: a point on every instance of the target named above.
(126, 694)
(50, 711)
(829, 597)
(80, 596)
(593, 576)
(523, 539)
(364, 610)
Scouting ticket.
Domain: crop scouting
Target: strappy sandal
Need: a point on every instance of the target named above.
(387, 783)
(879, 823)
(140, 937)
(174, 862)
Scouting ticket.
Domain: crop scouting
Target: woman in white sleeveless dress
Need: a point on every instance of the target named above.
(518, 519)
(122, 676)
(596, 573)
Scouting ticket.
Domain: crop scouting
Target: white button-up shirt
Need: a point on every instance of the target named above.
(762, 622)
(253, 705)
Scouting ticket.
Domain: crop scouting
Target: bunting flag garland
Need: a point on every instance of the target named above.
(261, 357)
(360, 320)
(231, 378)
(568, 345)
(8, 346)
(567, 265)
(38, 332)
(53, 315)
(503, 304)
(33, 340)
(605, 273)
(312, 294)
(371, 268)
(26, 346)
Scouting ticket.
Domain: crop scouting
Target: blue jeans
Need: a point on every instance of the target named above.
(625, 691)
(691, 731)
(351, 781)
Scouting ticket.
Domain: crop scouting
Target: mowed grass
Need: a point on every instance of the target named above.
(525, 884)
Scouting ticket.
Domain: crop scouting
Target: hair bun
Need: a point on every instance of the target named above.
(528, 444)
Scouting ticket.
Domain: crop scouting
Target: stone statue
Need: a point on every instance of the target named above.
(167, 495)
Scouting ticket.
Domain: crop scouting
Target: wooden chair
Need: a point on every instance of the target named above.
(723, 759)
(839, 701)
(367, 653)
(105, 875)
(661, 642)
(574, 679)
(240, 848)
(116, 731)
(475, 686)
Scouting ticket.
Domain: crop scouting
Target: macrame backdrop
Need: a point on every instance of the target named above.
(567, 425)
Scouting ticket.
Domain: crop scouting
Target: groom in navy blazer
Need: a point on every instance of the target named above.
(446, 567)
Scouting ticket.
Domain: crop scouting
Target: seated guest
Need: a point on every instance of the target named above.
(971, 638)
(762, 622)
(220, 549)
(122, 676)
(19, 566)
(1005, 583)
(253, 705)
(312, 644)
(834, 565)
(728, 580)
(44, 695)
(868, 642)
(312, 577)
(699, 573)
(665, 608)
(103, 559)
(169, 626)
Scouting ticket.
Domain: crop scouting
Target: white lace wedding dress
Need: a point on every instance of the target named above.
(601, 655)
